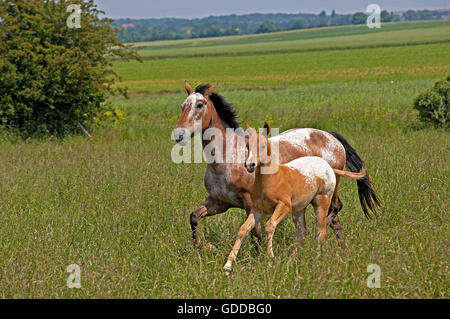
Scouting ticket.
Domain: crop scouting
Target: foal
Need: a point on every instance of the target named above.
(293, 186)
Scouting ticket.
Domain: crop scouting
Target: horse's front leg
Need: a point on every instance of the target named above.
(252, 219)
(281, 210)
(210, 207)
(256, 231)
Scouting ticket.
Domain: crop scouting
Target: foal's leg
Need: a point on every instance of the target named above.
(280, 212)
(256, 231)
(210, 207)
(321, 205)
(252, 219)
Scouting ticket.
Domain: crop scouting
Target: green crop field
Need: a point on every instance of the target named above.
(395, 52)
(117, 205)
(301, 40)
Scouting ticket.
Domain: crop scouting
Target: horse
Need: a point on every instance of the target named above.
(289, 189)
(228, 184)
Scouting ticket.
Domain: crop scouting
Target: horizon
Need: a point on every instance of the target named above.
(176, 9)
(250, 13)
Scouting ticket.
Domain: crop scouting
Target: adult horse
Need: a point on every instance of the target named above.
(229, 183)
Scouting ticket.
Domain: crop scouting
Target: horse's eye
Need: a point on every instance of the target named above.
(199, 105)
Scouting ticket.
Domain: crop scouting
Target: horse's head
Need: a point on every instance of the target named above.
(196, 114)
(258, 147)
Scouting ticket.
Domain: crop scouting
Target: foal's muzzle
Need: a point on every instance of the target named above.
(251, 167)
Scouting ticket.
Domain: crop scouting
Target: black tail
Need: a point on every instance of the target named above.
(367, 196)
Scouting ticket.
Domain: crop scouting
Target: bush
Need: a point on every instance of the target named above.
(53, 77)
(433, 104)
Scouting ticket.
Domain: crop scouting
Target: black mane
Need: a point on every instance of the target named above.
(223, 108)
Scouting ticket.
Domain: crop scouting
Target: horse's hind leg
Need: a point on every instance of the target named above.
(338, 230)
(300, 225)
(210, 207)
(333, 219)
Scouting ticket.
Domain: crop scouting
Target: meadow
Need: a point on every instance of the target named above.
(117, 205)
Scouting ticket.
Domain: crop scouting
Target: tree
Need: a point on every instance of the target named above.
(386, 16)
(411, 15)
(323, 22)
(53, 77)
(299, 24)
(266, 27)
(359, 18)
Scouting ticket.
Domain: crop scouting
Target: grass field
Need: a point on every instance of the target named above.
(290, 59)
(119, 207)
(301, 40)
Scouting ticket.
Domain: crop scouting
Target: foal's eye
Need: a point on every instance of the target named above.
(199, 105)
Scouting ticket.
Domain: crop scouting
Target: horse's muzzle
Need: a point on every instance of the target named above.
(182, 135)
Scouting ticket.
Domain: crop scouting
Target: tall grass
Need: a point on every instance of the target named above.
(119, 207)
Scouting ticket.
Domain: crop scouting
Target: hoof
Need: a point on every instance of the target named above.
(209, 247)
(197, 244)
(228, 270)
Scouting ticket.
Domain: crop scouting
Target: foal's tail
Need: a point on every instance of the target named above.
(360, 175)
(367, 196)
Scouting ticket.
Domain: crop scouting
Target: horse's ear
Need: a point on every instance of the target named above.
(188, 87)
(267, 129)
(210, 91)
(247, 126)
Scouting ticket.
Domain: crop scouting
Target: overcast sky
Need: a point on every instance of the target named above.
(203, 8)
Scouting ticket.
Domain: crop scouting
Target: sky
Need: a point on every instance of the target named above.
(139, 9)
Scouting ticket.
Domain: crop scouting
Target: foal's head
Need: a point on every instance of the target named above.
(196, 114)
(258, 147)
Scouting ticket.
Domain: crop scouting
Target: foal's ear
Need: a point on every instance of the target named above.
(210, 91)
(267, 129)
(188, 87)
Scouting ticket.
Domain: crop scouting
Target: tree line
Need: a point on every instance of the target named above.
(138, 30)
